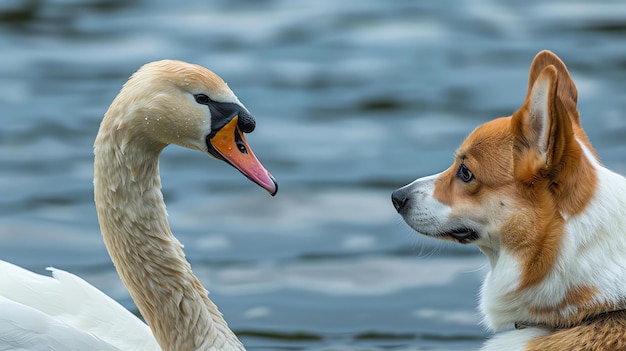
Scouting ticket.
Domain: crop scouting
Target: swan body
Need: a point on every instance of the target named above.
(57, 313)
(164, 102)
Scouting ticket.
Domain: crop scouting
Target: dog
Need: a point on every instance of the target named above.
(531, 193)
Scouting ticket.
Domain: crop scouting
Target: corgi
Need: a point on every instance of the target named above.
(531, 193)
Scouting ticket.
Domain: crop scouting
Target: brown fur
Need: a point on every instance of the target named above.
(485, 152)
(538, 187)
(533, 173)
(605, 333)
(555, 180)
(542, 184)
(579, 296)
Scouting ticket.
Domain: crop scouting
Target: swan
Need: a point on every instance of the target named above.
(164, 102)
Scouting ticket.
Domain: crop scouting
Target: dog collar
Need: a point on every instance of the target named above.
(523, 325)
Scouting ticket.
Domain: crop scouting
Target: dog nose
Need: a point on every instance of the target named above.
(399, 199)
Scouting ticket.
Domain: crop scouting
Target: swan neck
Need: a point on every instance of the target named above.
(148, 258)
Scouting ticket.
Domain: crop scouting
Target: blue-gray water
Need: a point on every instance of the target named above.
(352, 99)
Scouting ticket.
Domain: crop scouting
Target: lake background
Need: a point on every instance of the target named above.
(352, 100)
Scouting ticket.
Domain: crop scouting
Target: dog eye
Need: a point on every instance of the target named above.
(464, 173)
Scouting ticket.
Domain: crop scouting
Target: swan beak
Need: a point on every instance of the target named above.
(231, 145)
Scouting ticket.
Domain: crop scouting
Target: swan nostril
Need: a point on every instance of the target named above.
(399, 199)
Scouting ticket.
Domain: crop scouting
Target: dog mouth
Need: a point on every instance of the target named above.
(461, 235)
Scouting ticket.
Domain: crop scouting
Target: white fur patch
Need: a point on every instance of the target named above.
(539, 111)
(514, 340)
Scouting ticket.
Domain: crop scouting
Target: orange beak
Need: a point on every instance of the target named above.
(230, 143)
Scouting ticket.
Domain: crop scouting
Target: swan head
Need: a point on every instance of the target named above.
(174, 102)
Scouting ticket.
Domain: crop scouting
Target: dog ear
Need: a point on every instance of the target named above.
(548, 159)
(542, 117)
(566, 90)
(542, 129)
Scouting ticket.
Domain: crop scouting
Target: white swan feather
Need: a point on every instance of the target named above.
(64, 312)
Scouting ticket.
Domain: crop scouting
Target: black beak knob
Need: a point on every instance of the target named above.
(246, 122)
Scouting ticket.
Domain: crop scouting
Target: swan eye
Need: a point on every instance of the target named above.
(202, 99)
(464, 173)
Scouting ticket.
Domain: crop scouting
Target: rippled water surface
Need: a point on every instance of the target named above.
(352, 99)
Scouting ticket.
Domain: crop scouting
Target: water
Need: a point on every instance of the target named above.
(352, 99)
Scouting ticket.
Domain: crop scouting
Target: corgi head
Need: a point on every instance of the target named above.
(527, 168)
(512, 189)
